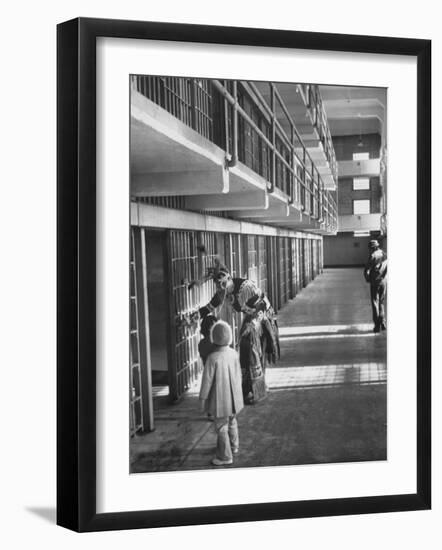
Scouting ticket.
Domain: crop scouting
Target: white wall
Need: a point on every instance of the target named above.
(360, 222)
(28, 274)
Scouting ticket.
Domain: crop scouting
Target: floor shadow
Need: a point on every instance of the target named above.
(48, 514)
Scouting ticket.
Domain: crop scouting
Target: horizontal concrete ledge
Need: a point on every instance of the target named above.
(148, 215)
(244, 178)
(189, 182)
(145, 113)
(278, 211)
(230, 201)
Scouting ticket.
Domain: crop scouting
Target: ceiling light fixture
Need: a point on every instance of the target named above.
(360, 142)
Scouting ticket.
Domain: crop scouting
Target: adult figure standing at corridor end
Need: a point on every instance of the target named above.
(375, 273)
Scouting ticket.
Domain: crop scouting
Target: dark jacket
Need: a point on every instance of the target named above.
(205, 348)
(376, 268)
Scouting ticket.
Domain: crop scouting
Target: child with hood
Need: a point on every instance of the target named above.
(221, 393)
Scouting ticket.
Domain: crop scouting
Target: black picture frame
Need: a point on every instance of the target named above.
(76, 273)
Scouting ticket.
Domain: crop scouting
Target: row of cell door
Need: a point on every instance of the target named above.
(164, 360)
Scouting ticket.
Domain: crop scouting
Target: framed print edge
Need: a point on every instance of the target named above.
(77, 287)
(423, 182)
(67, 281)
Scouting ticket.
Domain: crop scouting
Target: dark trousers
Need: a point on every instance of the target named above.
(378, 291)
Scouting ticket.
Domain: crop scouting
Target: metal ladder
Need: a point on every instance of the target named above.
(135, 394)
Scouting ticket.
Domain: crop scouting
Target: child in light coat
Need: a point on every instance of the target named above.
(221, 393)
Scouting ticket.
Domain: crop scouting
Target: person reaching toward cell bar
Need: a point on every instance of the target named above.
(258, 335)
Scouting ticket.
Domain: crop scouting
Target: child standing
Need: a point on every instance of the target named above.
(221, 393)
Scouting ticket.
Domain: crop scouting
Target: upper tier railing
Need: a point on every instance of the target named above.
(236, 117)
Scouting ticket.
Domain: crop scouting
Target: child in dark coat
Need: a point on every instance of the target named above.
(205, 345)
(221, 393)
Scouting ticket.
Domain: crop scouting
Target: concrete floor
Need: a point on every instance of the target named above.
(327, 398)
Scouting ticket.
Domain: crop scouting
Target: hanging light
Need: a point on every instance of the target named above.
(360, 142)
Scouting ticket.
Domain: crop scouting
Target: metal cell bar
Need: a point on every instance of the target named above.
(171, 275)
(145, 367)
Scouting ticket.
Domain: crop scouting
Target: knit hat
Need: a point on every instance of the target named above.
(221, 334)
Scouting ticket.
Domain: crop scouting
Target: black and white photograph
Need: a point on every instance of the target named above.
(258, 274)
(221, 258)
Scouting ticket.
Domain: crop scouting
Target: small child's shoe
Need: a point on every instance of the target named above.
(235, 450)
(219, 462)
